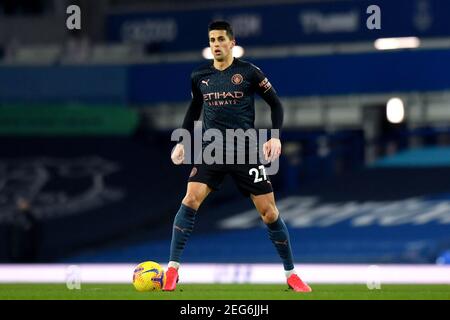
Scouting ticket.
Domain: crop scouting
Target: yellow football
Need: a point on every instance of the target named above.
(148, 276)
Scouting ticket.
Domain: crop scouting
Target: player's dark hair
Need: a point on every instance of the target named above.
(222, 25)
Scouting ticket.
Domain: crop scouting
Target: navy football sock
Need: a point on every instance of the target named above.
(279, 235)
(183, 225)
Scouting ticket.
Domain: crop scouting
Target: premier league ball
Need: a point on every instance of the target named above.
(148, 276)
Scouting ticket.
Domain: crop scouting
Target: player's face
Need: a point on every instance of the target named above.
(221, 46)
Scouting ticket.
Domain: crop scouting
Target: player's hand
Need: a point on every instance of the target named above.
(178, 154)
(272, 149)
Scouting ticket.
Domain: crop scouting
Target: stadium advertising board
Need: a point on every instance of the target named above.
(343, 21)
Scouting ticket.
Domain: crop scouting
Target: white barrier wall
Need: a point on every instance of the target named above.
(231, 273)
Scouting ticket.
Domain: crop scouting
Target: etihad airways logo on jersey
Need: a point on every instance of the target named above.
(222, 98)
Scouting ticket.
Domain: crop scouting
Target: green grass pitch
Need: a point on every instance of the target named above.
(223, 292)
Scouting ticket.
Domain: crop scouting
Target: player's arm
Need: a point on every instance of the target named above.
(192, 114)
(272, 148)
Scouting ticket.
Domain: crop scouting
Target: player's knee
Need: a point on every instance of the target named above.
(191, 200)
(269, 215)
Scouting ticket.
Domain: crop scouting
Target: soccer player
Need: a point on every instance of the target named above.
(224, 89)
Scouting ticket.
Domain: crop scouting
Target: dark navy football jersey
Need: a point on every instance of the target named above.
(228, 96)
(227, 99)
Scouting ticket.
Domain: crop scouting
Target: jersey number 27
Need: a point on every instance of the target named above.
(257, 173)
